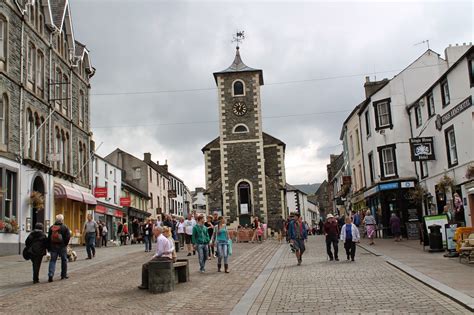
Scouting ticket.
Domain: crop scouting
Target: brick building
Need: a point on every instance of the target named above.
(245, 167)
(44, 121)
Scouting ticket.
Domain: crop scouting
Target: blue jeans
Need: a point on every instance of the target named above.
(147, 240)
(203, 253)
(222, 251)
(61, 252)
(90, 244)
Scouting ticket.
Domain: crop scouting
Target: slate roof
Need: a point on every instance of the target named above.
(267, 139)
(239, 66)
(57, 10)
(79, 48)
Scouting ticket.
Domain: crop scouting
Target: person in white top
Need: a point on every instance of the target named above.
(164, 252)
(181, 233)
(350, 236)
(189, 223)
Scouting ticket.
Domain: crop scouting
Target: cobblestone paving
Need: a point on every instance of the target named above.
(110, 286)
(368, 285)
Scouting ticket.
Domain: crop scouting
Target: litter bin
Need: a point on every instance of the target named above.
(436, 239)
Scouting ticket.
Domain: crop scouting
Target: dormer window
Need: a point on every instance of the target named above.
(241, 128)
(238, 88)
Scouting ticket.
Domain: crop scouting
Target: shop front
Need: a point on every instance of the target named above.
(358, 202)
(73, 204)
(111, 216)
(393, 197)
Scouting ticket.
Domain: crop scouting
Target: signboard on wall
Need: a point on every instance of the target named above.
(100, 192)
(422, 149)
(125, 201)
(172, 193)
(244, 208)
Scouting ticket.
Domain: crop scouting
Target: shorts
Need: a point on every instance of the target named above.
(187, 238)
(298, 244)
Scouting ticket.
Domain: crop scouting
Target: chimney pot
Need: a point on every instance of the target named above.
(166, 162)
(158, 162)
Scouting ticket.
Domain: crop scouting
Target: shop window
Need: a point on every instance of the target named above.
(388, 161)
(383, 115)
(451, 149)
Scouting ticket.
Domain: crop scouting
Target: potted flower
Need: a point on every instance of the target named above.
(445, 183)
(37, 200)
(11, 226)
(2, 225)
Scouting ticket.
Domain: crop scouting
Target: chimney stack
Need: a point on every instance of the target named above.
(372, 87)
(147, 157)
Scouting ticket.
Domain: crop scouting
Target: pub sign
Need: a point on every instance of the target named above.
(422, 149)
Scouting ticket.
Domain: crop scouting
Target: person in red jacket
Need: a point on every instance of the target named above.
(124, 234)
(331, 231)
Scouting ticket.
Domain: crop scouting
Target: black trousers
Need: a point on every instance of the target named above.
(350, 248)
(36, 261)
(333, 241)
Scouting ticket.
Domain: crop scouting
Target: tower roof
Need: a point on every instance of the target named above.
(239, 66)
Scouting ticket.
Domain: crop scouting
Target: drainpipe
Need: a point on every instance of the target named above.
(414, 162)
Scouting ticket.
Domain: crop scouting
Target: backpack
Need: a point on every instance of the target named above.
(56, 236)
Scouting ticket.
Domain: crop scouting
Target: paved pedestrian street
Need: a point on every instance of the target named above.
(264, 278)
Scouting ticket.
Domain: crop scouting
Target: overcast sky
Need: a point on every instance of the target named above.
(314, 57)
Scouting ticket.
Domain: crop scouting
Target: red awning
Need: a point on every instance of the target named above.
(88, 198)
(62, 191)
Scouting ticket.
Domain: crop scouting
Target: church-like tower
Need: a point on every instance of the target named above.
(244, 166)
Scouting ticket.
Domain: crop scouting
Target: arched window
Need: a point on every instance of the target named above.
(241, 128)
(238, 88)
(57, 146)
(4, 119)
(30, 131)
(37, 138)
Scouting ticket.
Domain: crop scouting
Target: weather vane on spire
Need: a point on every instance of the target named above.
(238, 38)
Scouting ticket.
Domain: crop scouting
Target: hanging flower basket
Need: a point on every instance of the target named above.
(445, 183)
(417, 194)
(470, 171)
(37, 200)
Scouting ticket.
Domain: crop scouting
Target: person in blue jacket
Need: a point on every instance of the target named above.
(298, 234)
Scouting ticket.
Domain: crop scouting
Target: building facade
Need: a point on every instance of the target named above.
(245, 168)
(443, 114)
(45, 138)
(176, 195)
(199, 200)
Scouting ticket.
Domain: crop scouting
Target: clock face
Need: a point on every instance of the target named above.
(239, 108)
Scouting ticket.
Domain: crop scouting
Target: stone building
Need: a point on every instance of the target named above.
(245, 167)
(45, 138)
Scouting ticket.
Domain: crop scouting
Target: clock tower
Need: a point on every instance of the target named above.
(244, 166)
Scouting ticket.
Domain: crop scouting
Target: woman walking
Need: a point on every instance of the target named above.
(370, 225)
(221, 237)
(350, 236)
(395, 227)
(210, 230)
(36, 243)
(181, 233)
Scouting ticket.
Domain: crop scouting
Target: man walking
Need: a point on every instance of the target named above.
(58, 238)
(331, 231)
(200, 238)
(163, 253)
(189, 224)
(90, 231)
(298, 234)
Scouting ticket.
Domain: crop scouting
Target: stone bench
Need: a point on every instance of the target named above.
(163, 275)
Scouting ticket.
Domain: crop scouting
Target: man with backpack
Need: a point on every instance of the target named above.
(298, 234)
(58, 239)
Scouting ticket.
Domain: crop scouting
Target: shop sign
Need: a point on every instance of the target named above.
(110, 211)
(118, 213)
(172, 193)
(100, 192)
(422, 149)
(100, 209)
(410, 184)
(371, 191)
(346, 180)
(458, 109)
(388, 186)
(125, 201)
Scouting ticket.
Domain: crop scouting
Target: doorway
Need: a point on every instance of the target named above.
(38, 213)
(244, 203)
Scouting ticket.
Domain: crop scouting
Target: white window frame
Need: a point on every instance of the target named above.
(388, 153)
(418, 117)
(367, 123)
(243, 84)
(431, 104)
(381, 115)
(240, 125)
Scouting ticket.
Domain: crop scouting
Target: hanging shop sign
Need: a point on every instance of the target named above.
(125, 201)
(172, 193)
(456, 110)
(410, 184)
(346, 180)
(100, 192)
(422, 149)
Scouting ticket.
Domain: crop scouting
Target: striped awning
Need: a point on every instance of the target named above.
(62, 191)
(88, 198)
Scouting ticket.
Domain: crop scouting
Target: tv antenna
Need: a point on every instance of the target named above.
(238, 38)
(427, 42)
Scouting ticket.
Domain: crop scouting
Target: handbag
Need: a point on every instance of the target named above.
(229, 247)
(26, 253)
